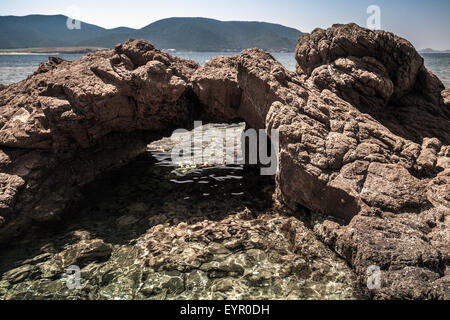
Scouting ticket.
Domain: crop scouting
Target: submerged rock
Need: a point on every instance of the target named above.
(82, 252)
(246, 257)
(221, 247)
(267, 257)
(364, 141)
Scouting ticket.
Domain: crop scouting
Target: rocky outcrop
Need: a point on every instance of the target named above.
(364, 139)
(69, 122)
(380, 147)
(351, 50)
(67, 105)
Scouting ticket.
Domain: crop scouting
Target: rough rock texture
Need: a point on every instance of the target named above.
(67, 105)
(381, 148)
(364, 138)
(372, 56)
(240, 257)
(71, 121)
(364, 134)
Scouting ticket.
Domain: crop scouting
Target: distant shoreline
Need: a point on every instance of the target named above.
(84, 50)
(52, 50)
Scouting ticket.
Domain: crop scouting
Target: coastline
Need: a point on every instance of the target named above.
(76, 50)
(51, 50)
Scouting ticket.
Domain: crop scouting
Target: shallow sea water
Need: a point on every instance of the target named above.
(154, 230)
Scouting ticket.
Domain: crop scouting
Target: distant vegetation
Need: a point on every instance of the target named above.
(182, 34)
(428, 50)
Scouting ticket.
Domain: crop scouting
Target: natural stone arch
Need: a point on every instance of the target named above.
(78, 119)
(357, 142)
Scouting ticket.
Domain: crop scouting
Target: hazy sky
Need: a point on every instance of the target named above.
(424, 23)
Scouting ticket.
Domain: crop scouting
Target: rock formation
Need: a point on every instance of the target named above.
(70, 121)
(364, 139)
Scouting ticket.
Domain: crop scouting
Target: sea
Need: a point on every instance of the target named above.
(17, 67)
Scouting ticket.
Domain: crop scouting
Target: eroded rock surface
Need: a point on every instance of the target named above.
(364, 138)
(71, 121)
(152, 233)
(391, 117)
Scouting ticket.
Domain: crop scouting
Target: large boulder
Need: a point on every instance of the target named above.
(368, 55)
(378, 159)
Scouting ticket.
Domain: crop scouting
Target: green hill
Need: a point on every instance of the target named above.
(42, 31)
(183, 34)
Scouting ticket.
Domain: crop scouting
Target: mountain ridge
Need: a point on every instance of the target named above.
(179, 33)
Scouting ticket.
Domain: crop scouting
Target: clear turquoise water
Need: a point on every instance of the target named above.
(14, 68)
